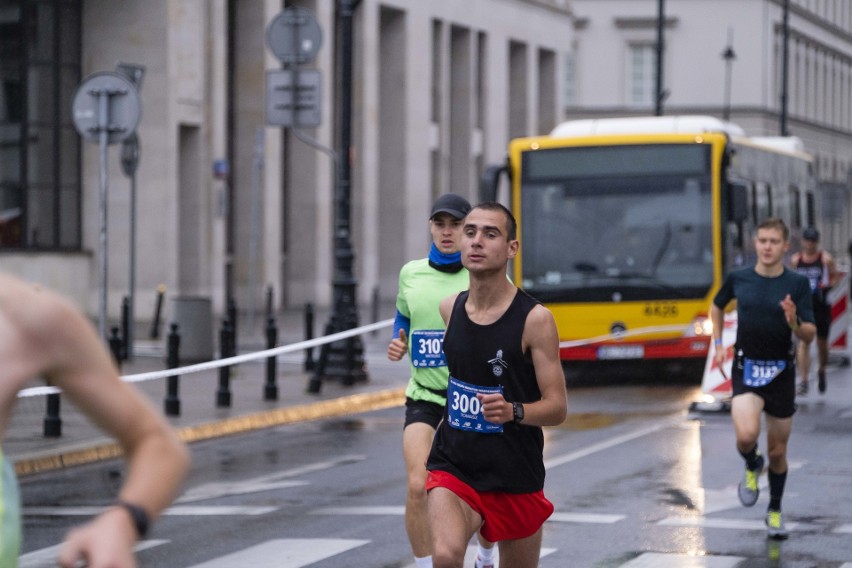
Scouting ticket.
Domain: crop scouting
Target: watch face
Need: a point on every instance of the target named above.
(518, 411)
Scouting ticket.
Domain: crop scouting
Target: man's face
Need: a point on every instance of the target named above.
(485, 245)
(809, 246)
(446, 232)
(771, 246)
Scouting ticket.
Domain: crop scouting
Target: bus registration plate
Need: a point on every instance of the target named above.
(621, 352)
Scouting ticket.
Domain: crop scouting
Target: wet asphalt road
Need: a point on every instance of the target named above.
(636, 481)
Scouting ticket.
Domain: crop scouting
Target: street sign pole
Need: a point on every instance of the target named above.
(105, 110)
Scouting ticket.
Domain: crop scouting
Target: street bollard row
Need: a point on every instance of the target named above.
(52, 426)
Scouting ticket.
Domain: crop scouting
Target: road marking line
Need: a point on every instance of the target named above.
(585, 518)
(738, 524)
(845, 529)
(46, 557)
(277, 480)
(656, 560)
(359, 511)
(607, 444)
(91, 511)
(470, 556)
(284, 553)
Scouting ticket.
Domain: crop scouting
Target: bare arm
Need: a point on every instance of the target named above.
(73, 358)
(717, 316)
(833, 274)
(446, 308)
(542, 340)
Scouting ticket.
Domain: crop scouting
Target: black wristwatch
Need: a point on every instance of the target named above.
(517, 412)
(139, 516)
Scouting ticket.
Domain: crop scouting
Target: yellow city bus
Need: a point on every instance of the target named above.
(627, 227)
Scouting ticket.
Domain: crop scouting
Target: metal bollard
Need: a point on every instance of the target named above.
(232, 318)
(375, 309)
(226, 338)
(270, 307)
(171, 404)
(52, 421)
(309, 334)
(125, 329)
(115, 346)
(155, 324)
(270, 389)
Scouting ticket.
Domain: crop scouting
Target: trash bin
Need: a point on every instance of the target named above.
(194, 317)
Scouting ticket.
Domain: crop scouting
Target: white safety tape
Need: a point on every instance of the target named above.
(302, 345)
(40, 391)
(622, 335)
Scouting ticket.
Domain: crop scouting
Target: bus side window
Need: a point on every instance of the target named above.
(737, 201)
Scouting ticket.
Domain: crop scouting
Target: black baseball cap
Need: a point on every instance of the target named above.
(451, 203)
(810, 234)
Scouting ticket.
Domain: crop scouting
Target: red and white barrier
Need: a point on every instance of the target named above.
(715, 385)
(838, 298)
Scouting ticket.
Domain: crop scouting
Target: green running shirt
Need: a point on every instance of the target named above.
(421, 289)
(10, 516)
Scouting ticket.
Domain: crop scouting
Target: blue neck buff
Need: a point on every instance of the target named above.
(444, 262)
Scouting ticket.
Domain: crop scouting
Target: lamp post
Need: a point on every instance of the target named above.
(785, 58)
(343, 359)
(659, 95)
(728, 55)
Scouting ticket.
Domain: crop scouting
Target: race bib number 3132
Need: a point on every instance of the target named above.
(465, 410)
(758, 373)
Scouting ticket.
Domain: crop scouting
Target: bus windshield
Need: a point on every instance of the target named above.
(617, 223)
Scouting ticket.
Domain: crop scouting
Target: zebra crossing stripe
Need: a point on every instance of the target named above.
(394, 511)
(46, 557)
(657, 560)
(591, 518)
(177, 511)
(738, 524)
(284, 553)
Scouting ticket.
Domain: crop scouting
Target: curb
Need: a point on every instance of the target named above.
(352, 404)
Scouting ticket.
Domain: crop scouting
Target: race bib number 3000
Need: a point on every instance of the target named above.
(758, 373)
(465, 410)
(427, 348)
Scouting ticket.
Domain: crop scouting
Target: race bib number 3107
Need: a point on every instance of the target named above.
(465, 410)
(427, 348)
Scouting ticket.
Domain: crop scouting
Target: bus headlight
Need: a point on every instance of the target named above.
(701, 326)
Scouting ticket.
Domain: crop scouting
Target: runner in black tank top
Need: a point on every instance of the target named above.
(491, 356)
(486, 468)
(819, 268)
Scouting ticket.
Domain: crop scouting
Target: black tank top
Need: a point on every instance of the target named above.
(488, 356)
(816, 275)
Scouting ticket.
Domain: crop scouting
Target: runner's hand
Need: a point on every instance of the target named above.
(789, 308)
(495, 409)
(398, 347)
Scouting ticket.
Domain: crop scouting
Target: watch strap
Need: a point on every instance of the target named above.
(140, 518)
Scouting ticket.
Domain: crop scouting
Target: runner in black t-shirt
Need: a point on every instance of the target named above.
(773, 303)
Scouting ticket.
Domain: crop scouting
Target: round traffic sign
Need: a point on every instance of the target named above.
(120, 100)
(294, 36)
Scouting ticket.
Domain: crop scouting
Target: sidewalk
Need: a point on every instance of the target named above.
(200, 418)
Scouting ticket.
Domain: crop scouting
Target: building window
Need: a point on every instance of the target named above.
(642, 69)
(39, 147)
(570, 90)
